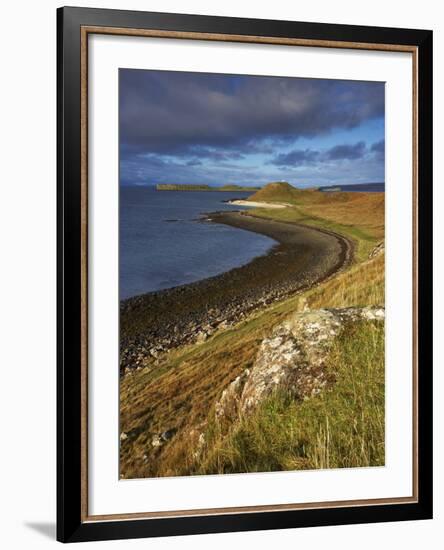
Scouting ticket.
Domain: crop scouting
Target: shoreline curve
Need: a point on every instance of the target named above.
(153, 323)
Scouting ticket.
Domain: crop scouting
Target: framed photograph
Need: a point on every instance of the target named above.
(244, 274)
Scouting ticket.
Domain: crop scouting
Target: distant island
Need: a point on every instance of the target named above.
(189, 187)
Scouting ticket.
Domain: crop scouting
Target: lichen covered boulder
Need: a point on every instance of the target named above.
(292, 358)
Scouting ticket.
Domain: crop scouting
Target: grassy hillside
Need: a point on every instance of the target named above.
(359, 216)
(279, 192)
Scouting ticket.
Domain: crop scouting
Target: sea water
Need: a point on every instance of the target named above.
(162, 244)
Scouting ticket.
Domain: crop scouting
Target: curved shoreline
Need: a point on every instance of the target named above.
(153, 323)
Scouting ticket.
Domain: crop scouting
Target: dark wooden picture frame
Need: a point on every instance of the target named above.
(73, 26)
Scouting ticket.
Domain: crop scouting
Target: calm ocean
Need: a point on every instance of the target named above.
(158, 253)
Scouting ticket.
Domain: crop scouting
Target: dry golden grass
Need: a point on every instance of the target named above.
(365, 210)
(279, 191)
(359, 216)
(361, 285)
(178, 393)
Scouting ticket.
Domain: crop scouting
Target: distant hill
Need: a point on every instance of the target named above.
(276, 191)
(281, 191)
(191, 187)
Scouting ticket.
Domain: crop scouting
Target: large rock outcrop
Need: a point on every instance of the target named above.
(293, 357)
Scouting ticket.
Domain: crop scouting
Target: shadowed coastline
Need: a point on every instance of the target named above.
(153, 323)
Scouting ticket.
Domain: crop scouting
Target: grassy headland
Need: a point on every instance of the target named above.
(359, 216)
(343, 426)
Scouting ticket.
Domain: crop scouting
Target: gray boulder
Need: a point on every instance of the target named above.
(292, 358)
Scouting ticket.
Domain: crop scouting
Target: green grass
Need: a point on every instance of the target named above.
(343, 427)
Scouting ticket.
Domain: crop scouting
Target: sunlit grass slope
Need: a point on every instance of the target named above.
(342, 427)
(359, 216)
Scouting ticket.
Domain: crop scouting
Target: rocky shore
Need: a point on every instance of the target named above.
(156, 322)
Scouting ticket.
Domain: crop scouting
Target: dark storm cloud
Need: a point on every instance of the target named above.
(296, 157)
(348, 152)
(205, 115)
(300, 157)
(379, 146)
(214, 153)
(378, 149)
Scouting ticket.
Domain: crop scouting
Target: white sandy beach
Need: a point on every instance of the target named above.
(253, 204)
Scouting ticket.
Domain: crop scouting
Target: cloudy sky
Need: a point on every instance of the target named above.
(178, 127)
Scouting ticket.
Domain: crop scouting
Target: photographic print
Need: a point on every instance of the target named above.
(244, 334)
(251, 273)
